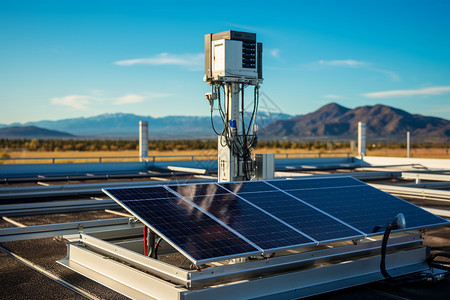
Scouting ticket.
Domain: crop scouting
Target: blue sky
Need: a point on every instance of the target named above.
(67, 59)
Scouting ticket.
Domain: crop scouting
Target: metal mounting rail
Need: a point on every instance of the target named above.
(426, 176)
(289, 276)
(418, 193)
(39, 208)
(101, 159)
(59, 229)
(358, 175)
(78, 189)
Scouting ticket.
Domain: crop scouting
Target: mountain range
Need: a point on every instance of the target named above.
(31, 132)
(122, 125)
(330, 122)
(334, 121)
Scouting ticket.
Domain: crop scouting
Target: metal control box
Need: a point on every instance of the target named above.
(264, 165)
(228, 59)
(232, 54)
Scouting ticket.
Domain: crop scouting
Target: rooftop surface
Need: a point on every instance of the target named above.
(28, 269)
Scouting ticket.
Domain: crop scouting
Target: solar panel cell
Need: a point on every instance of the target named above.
(260, 228)
(365, 207)
(301, 216)
(249, 186)
(311, 183)
(193, 190)
(186, 227)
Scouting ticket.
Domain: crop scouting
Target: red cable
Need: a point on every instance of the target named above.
(145, 241)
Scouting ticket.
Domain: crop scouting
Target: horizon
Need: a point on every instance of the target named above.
(30, 123)
(65, 60)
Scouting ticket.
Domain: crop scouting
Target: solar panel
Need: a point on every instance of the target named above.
(185, 227)
(213, 222)
(365, 207)
(259, 227)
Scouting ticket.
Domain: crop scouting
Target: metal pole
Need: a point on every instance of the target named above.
(143, 140)
(228, 164)
(361, 139)
(408, 144)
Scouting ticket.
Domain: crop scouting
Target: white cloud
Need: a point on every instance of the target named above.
(128, 99)
(343, 63)
(331, 96)
(275, 53)
(186, 60)
(394, 76)
(351, 63)
(133, 98)
(83, 102)
(437, 90)
(80, 102)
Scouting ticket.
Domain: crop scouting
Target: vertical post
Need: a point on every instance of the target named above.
(408, 144)
(361, 139)
(228, 164)
(143, 140)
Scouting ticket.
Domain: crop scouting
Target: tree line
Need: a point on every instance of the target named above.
(177, 145)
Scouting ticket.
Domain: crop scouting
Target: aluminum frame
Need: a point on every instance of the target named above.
(263, 252)
(288, 276)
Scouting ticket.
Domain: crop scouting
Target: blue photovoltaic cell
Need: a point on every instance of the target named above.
(264, 215)
(193, 190)
(192, 231)
(301, 216)
(307, 183)
(257, 226)
(250, 186)
(365, 207)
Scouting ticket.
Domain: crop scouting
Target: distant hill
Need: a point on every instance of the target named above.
(334, 121)
(122, 125)
(32, 132)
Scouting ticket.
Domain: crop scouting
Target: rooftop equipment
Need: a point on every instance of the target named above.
(255, 239)
(246, 239)
(233, 62)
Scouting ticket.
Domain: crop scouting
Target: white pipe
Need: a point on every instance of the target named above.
(361, 139)
(408, 144)
(143, 140)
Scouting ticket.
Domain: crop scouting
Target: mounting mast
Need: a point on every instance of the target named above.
(233, 62)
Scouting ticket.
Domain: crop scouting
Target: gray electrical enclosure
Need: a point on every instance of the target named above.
(232, 54)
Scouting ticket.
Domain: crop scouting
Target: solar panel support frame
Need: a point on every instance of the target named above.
(303, 281)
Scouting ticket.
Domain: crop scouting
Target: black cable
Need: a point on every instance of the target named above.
(408, 278)
(221, 112)
(212, 123)
(387, 232)
(255, 105)
(244, 144)
(242, 110)
(155, 255)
